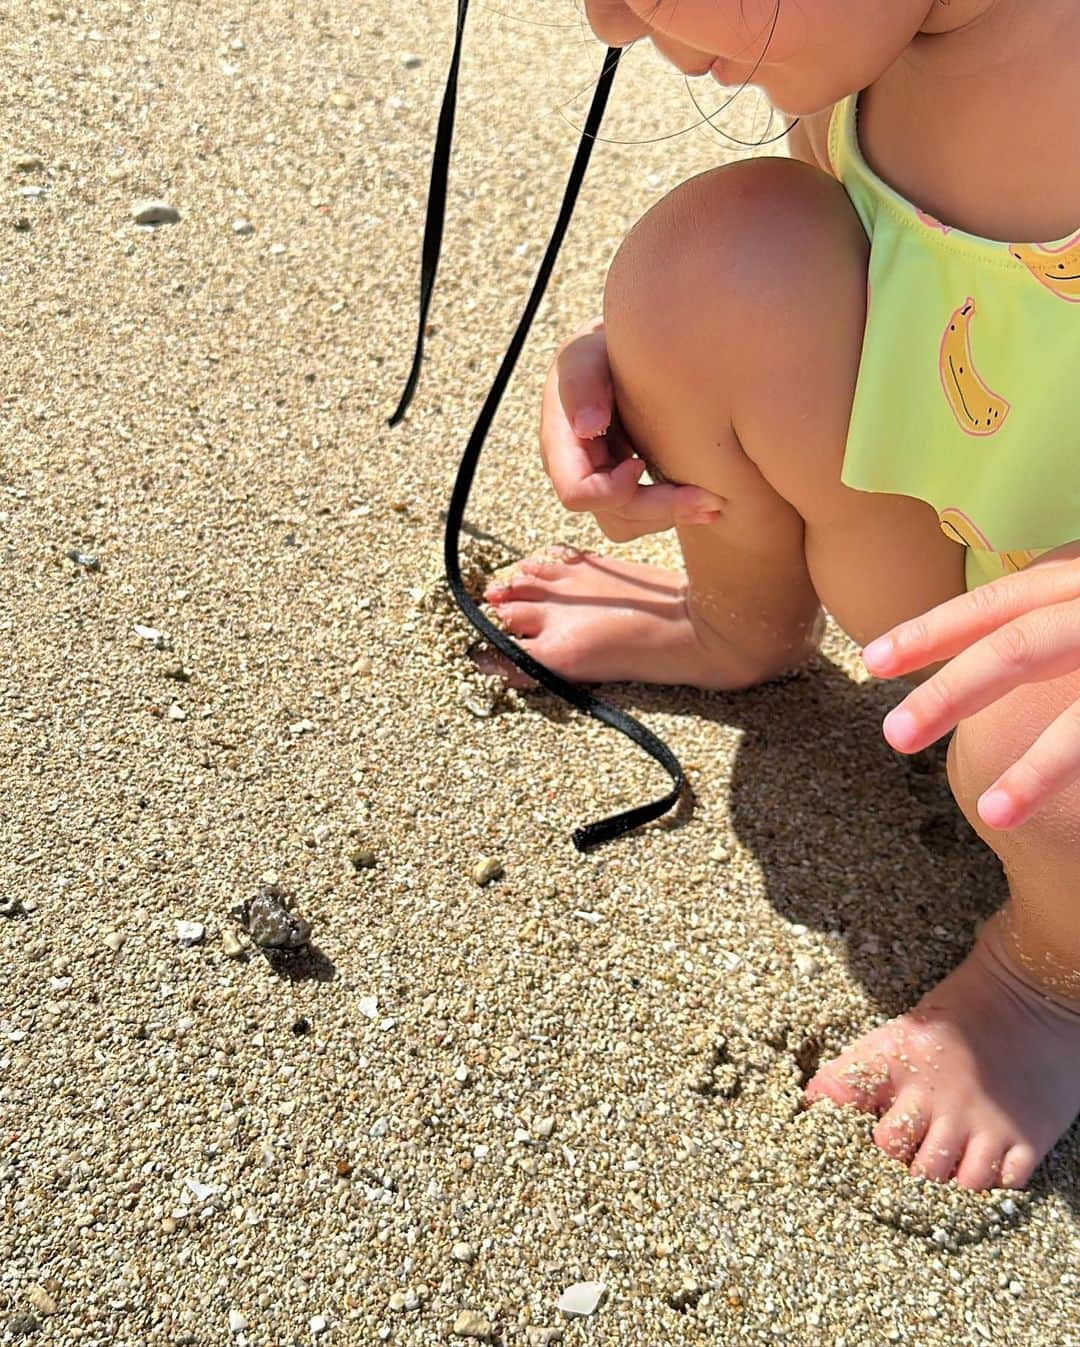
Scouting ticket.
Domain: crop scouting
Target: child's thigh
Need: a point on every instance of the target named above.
(742, 295)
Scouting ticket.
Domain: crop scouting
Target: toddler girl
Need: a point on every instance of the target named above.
(855, 379)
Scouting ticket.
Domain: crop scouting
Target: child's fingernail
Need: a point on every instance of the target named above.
(879, 651)
(590, 421)
(995, 808)
(899, 727)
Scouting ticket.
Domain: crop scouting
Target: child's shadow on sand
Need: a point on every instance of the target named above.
(855, 838)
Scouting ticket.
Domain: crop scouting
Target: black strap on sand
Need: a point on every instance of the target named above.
(617, 824)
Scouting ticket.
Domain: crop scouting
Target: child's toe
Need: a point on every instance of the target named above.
(1018, 1165)
(981, 1166)
(941, 1150)
(542, 568)
(865, 1083)
(903, 1127)
(521, 619)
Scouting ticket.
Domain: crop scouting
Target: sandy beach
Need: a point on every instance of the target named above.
(230, 660)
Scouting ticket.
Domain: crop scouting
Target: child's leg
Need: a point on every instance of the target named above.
(983, 1076)
(734, 316)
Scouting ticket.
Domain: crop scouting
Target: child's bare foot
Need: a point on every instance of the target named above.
(978, 1081)
(594, 619)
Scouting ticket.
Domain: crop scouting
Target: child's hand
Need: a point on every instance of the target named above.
(1023, 628)
(590, 461)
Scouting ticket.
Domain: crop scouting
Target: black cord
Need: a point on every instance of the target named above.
(617, 824)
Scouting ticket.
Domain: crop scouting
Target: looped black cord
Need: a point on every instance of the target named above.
(617, 824)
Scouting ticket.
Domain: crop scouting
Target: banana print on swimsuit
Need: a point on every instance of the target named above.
(977, 408)
(988, 438)
(961, 528)
(1056, 268)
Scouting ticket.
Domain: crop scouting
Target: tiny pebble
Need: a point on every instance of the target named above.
(177, 712)
(536, 1336)
(807, 965)
(363, 859)
(486, 869)
(84, 559)
(45, 1304)
(471, 1324)
(243, 227)
(232, 946)
(154, 212)
(27, 163)
(1016, 1288)
(409, 61)
(317, 1324)
(369, 1006)
(114, 940)
(463, 1253)
(237, 1322)
(150, 634)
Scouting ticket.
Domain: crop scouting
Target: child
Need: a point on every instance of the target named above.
(854, 387)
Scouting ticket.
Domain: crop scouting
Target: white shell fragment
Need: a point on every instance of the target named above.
(237, 1322)
(369, 1006)
(581, 1298)
(190, 932)
(201, 1190)
(149, 634)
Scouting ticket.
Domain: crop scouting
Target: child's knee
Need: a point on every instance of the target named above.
(727, 262)
(988, 743)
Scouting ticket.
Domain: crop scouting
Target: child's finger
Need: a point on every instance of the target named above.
(584, 383)
(954, 625)
(585, 476)
(1049, 765)
(666, 505)
(568, 459)
(1042, 644)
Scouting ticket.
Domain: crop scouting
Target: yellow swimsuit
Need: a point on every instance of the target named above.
(968, 393)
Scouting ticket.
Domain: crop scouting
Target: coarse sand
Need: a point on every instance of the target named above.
(470, 1096)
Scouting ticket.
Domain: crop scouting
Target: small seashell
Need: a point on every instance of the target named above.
(270, 923)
